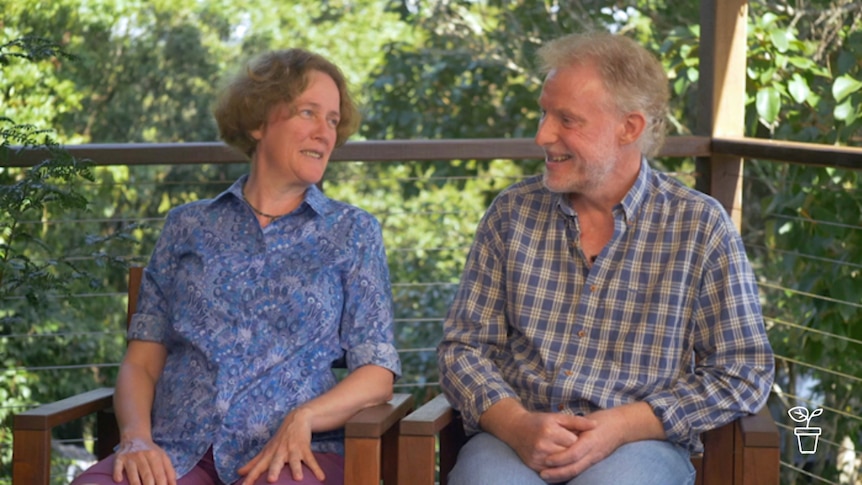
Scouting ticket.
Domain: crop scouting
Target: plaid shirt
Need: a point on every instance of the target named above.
(668, 313)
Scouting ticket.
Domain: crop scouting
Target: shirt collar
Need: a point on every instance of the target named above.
(314, 197)
(636, 196)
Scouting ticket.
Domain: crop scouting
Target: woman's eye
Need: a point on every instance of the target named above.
(333, 122)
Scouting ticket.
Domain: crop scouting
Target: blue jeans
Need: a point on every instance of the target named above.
(485, 460)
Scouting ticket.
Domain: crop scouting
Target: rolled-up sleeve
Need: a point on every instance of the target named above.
(734, 364)
(475, 330)
(367, 324)
(151, 321)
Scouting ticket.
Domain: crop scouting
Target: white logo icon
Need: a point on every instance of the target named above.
(806, 436)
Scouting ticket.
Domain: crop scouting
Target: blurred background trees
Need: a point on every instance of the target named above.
(147, 71)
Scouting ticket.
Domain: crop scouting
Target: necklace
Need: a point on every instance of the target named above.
(260, 212)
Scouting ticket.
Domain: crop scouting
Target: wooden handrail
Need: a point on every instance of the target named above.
(451, 149)
(367, 151)
(794, 152)
(50, 415)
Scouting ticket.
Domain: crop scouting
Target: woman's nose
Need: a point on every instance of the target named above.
(323, 130)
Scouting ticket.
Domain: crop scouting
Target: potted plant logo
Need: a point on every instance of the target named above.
(806, 437)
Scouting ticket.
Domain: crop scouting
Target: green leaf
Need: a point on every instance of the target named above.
(679, 85)
(692, 74)
(798, 88)
(845, 86)
(768, 104)
(768, 18)
(780, 39)
(808, 65)
(845, 112)
(767, 75)
(803, 63)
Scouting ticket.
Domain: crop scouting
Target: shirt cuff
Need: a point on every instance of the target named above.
(380, 354)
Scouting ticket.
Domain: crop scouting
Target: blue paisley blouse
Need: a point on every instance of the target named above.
(253, 319)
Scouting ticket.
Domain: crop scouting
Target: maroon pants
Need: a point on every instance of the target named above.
(204, 473)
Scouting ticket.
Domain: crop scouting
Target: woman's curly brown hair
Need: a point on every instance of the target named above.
(272, 78)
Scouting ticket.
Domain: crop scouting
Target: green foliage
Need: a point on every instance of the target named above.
(31, 49)
(802, 223)
(36, 282)
(149, 71)
(43, 190)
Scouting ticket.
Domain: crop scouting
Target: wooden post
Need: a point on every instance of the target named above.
(721, 112)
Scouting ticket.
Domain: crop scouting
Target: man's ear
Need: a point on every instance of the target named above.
(632, 127)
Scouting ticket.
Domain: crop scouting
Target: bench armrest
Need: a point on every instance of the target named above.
(371, 442)
(31, 431)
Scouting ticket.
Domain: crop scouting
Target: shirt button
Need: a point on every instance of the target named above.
(568, 373)
(592, 288)
(582, 334)
(560, 407)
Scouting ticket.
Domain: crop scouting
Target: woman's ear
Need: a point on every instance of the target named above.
(632, 127)
(257, 134)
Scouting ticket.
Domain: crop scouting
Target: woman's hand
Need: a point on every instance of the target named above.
(144, 462)
(291, 444)
(366, 386)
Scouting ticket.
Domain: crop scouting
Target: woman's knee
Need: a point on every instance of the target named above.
(99, 474)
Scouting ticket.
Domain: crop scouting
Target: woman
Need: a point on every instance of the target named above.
(251, 296)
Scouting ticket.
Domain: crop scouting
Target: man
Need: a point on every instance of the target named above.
(607, 314)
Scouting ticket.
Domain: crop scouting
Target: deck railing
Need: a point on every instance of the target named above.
(428, 264)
